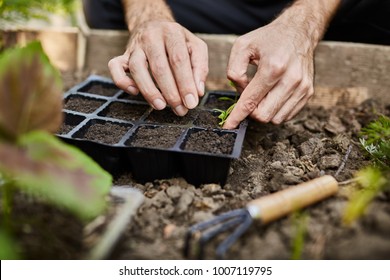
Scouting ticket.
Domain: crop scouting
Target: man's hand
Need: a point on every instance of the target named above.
(178, 64)
(283, 53)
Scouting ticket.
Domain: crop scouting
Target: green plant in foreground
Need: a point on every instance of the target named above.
(32, 159)
(300, 221)
(375, 139)
(21, 10)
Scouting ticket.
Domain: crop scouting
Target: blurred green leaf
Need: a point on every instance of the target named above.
(30, 92)
(45, 167)
(9, 250)
(372, 182)
(22, 10)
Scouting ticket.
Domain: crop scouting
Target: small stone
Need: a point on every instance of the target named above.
(211, 189)
(329, 162)
(174, 192)
(168, 231)
(277, 165)
(334, 125)
(184, 202)
(310, 146)
(201, 216)
(161, 199)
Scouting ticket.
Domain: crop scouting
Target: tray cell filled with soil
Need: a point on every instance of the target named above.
(209, 141)
(219, 100)
(82, 104)
(100, 88)
(124, 111)
(151, 155)
(101, 131)
(207, 119)
(207, 155)
(161, 137)
(127, 96)
(167, 116)
(70, 122)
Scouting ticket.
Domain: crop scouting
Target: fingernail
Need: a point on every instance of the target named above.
(191, 101)
(158, 104)
(181, 110)
(202, 87)
(132, 90)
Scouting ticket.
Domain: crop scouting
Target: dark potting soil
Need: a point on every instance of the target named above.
(107, 133)
(125, 111)
(215, 103)
(127, 96)
(82, 104)
(210, 142)
(167, 116)
(65, 128)
(100, 89)
(156, 137)
(207, 119)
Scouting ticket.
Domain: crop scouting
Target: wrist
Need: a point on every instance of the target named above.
(139, 13)
(310, 18)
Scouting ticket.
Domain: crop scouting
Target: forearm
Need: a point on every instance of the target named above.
(138, 12)
(311, 16)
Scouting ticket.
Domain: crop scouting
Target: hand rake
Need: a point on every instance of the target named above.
(267, 209)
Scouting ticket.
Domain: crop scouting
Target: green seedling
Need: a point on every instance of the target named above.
(375, 140)
(224, 114)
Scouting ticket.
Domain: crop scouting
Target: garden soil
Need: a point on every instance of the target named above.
(273, 158)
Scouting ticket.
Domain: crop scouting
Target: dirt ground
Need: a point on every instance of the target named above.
(273, 158)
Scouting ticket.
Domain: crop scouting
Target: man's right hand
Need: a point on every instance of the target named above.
(178, 64)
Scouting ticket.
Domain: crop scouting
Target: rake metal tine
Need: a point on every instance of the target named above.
(213, 233)
(233, 217)
(217, 220)
(228, 242)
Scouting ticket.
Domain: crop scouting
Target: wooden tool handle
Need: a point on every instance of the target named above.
(272, 207)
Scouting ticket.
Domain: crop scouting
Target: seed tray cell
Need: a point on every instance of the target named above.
(125, 133)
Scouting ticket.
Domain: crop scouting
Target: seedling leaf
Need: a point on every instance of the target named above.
(372, 182)
(45, 167)
(30, 92)
(8, 247)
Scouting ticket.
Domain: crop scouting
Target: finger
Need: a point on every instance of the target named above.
(199, 59)
(294, 104)
(139, 71)
(298, 108)
(276, 98)
(238, 65)
(117, 67)
(180, 64)
(260, 85)
(162, 74)
(300, 104)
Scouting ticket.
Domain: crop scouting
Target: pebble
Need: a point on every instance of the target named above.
(174, 192)
(201, 216)
(210, 189)
(184, 202)
(161, 199)
(329, 161)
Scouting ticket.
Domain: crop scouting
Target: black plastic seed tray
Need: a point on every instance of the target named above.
(123, 133)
